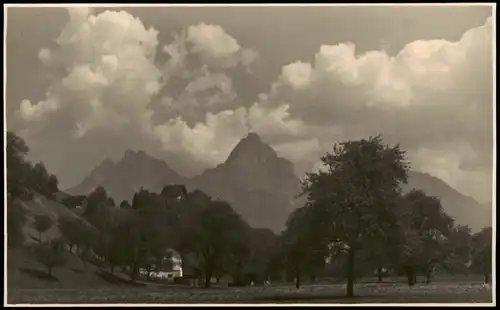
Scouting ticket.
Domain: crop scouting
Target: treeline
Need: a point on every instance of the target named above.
(23, 180)
(356, 220)
(356, 213)
(210, 236)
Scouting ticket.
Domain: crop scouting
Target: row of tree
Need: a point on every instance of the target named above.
(356, 219)
(23, 180)
(356, 212)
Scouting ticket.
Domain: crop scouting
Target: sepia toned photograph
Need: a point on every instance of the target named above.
(249, 154)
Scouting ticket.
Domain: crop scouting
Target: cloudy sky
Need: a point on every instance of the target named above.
(185, 84)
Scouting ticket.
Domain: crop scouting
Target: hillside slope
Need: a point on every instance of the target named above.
(25, 272)
(40, 205)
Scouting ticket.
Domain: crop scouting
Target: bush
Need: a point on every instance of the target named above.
(42, 224)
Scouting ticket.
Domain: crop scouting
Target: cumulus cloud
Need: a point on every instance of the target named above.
(203, 92)
(108, 87)
(110, 92)
(108, 73)
(207, 46)
(434, 97)
(198, 74)
(208, 142)
(211, 141)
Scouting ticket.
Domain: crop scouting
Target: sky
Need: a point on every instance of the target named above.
(186, 84)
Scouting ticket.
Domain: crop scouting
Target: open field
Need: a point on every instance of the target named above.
(328, 293)
(76, 283)
(79, 283)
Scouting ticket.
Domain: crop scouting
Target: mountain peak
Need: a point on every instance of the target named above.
(129, 153)
(104, 167)
(253, 137)
(133, 156)
(252, 146)
(107, 162)
(134, 170)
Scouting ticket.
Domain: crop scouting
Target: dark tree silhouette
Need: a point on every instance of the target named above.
(481, 253)
(125, 205)
(18, 169)
(425, 228)
(42, 224)
(16, 218)
(213, 233)
(356, 195)
(51, 254)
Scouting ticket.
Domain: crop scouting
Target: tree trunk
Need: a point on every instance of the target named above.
(428, 276)
(133, 271)
(208, 277)
(350, 273)
(183, 262)
(410, 274)
(135, 265)
(148, 275)
(50, 271)
(40, 237)
(297, 280)
(486, 278)
(380, 275)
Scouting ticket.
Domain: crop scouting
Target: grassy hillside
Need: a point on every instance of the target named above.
(40, 205)
(23, 271)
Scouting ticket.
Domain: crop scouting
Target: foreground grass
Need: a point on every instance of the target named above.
(329, 293)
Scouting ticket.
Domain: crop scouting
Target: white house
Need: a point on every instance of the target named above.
(174, 272)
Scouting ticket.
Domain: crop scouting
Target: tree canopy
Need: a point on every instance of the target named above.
(357, 195)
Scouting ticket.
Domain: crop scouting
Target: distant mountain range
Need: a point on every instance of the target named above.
(125, 177)
(261, 186)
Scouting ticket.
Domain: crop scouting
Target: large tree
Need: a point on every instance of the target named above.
(357, 195)
(459, 250)
(261, 245)
(50, 254)
(16, 218)
(482, 253)
(149, 229)
(77, 233)
(98, 211)
(42, 224)
(425, 229)
(213, 233)
(40, 177)
(18, 169)
(304, 246)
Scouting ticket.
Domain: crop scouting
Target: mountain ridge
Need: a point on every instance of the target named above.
(125, 177)
(260, 185)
